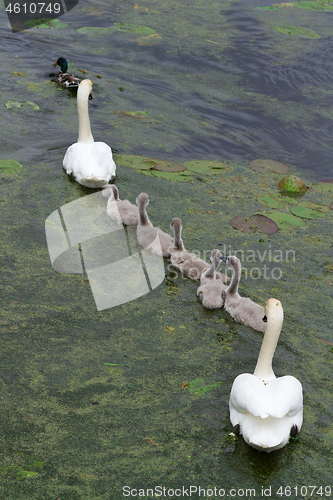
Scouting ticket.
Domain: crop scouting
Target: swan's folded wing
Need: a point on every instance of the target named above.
(288, 396)
(277, 398)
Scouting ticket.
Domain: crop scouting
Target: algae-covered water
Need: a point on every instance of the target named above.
(125, 401)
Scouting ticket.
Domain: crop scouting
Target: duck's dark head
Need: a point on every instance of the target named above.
(62, 63)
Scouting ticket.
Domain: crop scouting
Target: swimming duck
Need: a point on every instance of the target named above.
(65, 79)
(267, 410)
(187, 263)
(148, 235)
(121, 211)
(241, 309)
(89, 162)
(211, 284)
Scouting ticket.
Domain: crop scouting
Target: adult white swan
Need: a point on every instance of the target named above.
(89, 162)
(267, 410)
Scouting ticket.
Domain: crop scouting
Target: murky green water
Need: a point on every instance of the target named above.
(93, 401)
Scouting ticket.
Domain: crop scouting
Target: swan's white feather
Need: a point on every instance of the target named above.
(91, 163)
(266, 408)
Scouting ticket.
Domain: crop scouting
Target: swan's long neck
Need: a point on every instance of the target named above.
(264, 368)
(143, 217)
(85, 134)
(236, 275)
(211, 271)
(177, 239)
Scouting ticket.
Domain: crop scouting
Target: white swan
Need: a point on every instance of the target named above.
(267, 410)
(89, 162)
(121, 211)
(149, 236)
(242, 309)
(211, 284)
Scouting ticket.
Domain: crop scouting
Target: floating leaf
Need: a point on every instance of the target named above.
(197, 386)
(133, 161)
(19, 73)
(294, 30)
(168, 166)
(323, 187)
(87, 30)
(22, 473)
(269, 166)
(172, 176)
(13, 104)
(285, 220)
(207, 167)
(257, 222)
(322, 209)
(304, 212)
(292, 184)
(10, 165)
(152, 39)
(17, 105)
(314, 5)
(134, 28)
(271, 201)
(45, 23)
(138, 115)
(32, 105)
(330, 181)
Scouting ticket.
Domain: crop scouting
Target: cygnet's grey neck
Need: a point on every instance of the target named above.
(236, 275)
(143, 217)
(211, 271)
(85, 134)
(177, 239)
(115, 193)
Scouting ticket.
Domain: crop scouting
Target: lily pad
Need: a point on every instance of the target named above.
(271, 201)
(285, 220)
(18, 105)
(292, 184)
(171, 176)
(321, 209)
(134, 28)
(257, 222)
(10, 165)
(168, 166)
(136, 162)
(304, 212)
(197, 386)
(269, 166)
(45, 23)
(323, 187)
(207, 167)
(330, 181)
(152, 39)
(314, 5)
(13, 104)
(295, 30)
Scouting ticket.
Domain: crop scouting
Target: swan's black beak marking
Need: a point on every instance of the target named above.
(223, 258)
(264, 319)
(90, 97)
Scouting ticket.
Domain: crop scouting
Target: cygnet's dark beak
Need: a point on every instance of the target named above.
(223, 258)
(264, 319)
(90, 97)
